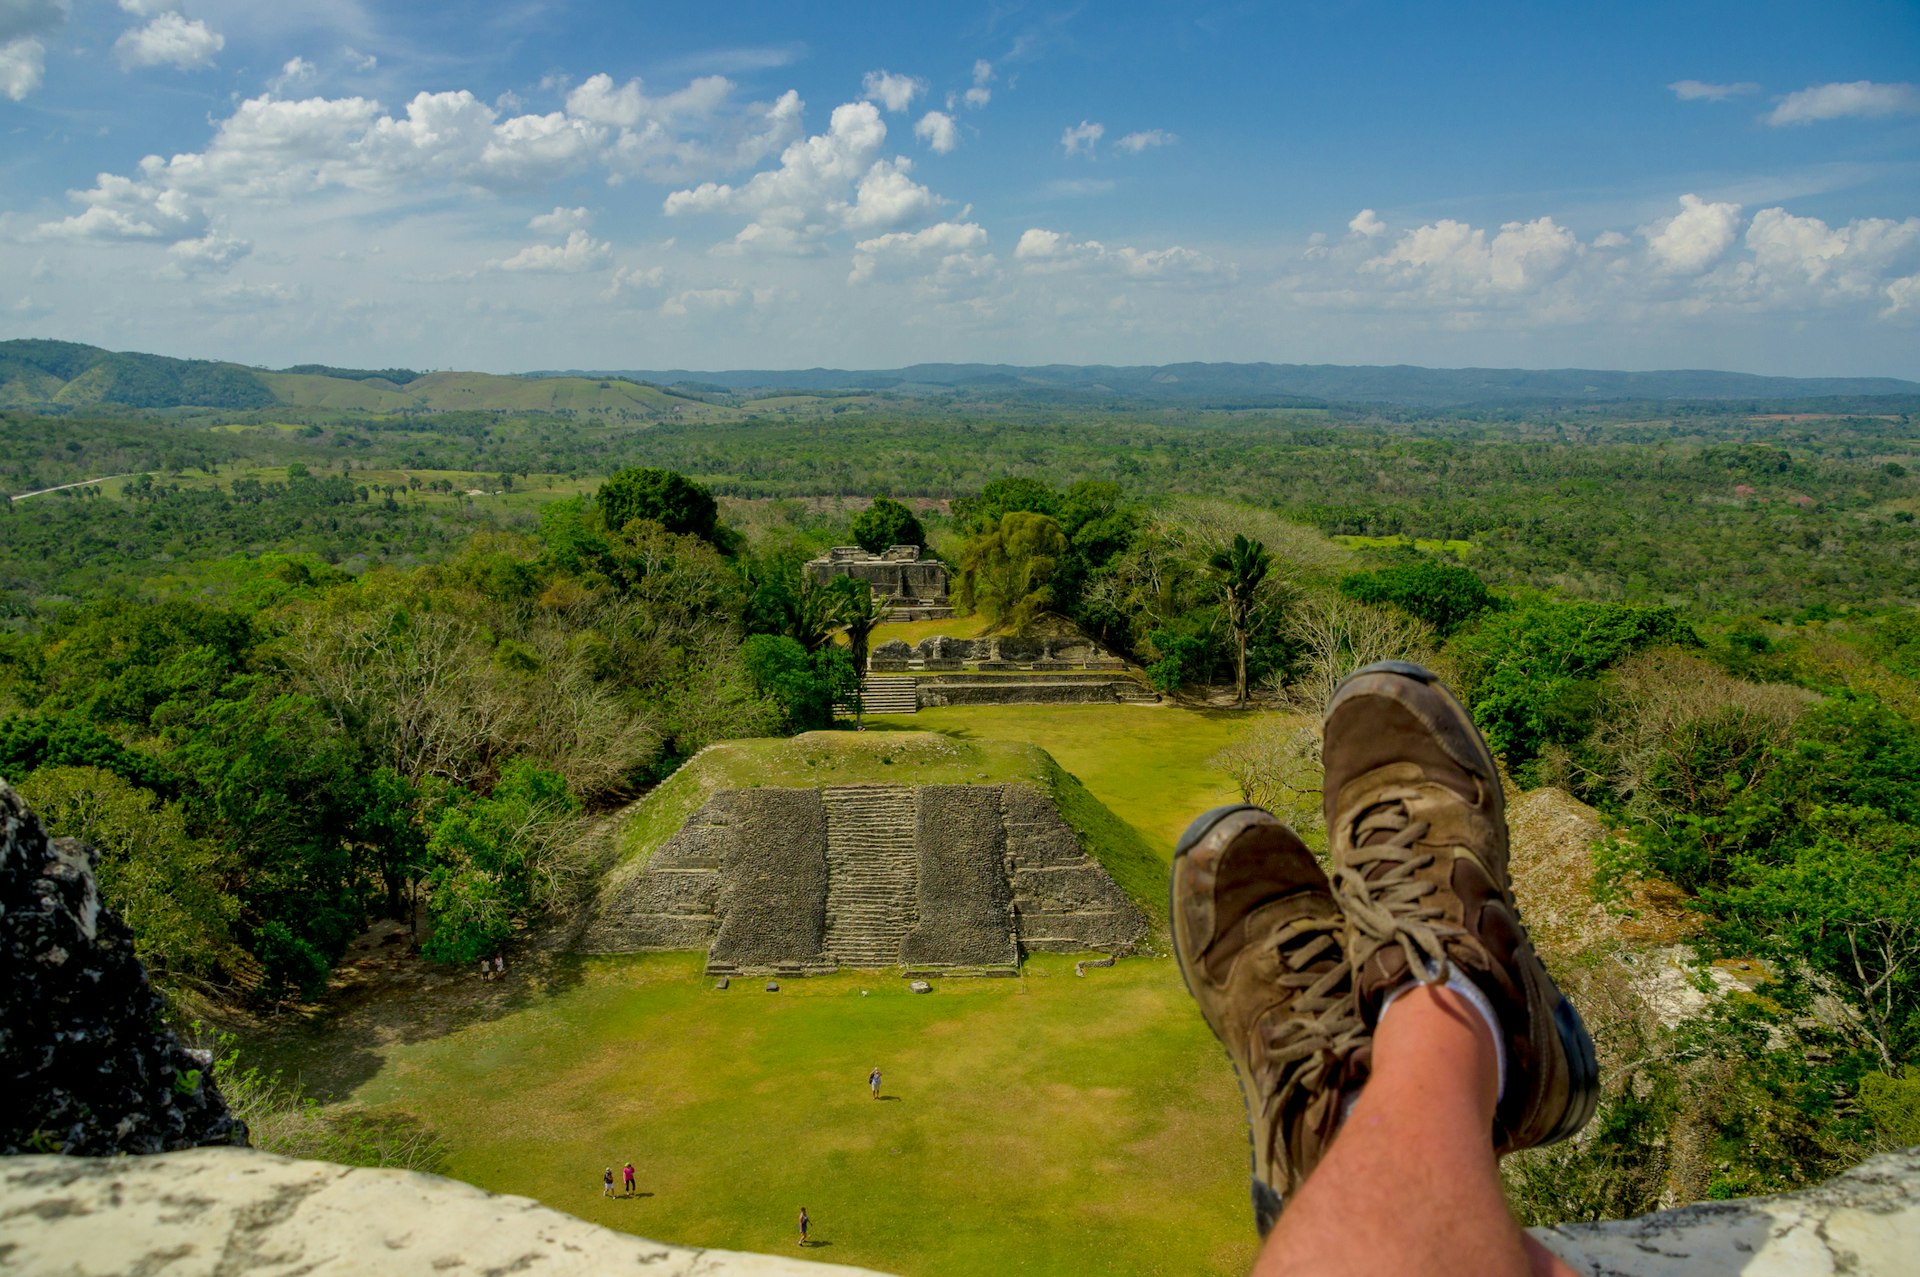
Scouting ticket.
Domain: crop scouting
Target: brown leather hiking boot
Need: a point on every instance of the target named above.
(1257, 933)
(1417, 826)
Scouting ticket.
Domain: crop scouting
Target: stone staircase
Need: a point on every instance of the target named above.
(895, 695)
(1131, 692)
(873, 873)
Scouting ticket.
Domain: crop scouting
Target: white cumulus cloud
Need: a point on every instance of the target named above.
(1083, 136)
(937, 130)
(23, 64)
(169, 39)
(979, 94)
(837, 180)
(1367, 224)
(1693, 239)
(1702, 91)
(23, 55)
(951, 243)
(580, 253)
(1134, 143)
(1050, 251)
(210, 254)
(895, 92)
(560, 221)
(1860, 98)
(1457, 260)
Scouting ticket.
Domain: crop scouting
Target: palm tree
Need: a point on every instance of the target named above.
(813, 610)
(1240, 567)
(861, 609)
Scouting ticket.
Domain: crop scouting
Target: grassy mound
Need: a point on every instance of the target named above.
(822, 759)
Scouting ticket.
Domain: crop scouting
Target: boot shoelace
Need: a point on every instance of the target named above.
(1321, 1027)
(1391, 906)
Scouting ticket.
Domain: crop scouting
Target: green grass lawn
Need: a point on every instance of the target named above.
(1149, 763)
(1049, 1124)
(914, 631)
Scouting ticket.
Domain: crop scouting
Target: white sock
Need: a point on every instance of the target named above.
(1458, 982)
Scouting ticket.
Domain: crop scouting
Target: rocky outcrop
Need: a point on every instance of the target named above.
(237, 1211)
(86, 1064)
(1866, 1221)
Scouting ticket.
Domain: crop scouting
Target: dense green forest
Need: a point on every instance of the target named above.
(295, 670)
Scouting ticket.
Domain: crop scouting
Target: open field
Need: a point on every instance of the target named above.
(1042, 1125)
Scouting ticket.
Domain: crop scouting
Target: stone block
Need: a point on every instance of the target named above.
(920, 986)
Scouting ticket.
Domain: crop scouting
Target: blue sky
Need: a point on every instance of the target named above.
(512, 186)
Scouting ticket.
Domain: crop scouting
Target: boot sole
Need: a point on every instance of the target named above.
(1576, 1044)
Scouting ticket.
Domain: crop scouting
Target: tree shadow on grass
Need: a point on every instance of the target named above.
(380, 996)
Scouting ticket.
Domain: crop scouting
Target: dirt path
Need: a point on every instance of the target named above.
(41, 492)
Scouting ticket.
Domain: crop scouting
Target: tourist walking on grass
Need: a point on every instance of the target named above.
(804, 1221)
(606, 1182)
(626, 1173)
(873, 1081)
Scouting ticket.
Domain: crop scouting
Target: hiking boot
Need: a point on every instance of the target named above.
(1417, 826)
(1257, 933)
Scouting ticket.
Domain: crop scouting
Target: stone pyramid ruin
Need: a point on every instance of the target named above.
(939, 876)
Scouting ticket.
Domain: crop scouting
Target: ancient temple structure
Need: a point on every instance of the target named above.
(916, 587)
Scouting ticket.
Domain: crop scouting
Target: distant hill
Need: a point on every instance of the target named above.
(1291, 385)
(69, 374)
(57, 374)
(63, 374)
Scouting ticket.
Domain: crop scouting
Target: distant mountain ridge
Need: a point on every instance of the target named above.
(60, 374)
(1401, 385)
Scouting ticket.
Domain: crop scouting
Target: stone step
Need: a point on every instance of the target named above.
(872, 870)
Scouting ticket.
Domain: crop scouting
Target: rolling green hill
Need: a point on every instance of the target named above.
(67, 374)
(61, 374)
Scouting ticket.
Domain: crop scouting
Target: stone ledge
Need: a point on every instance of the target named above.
(232, 1211)
(1866, 1221)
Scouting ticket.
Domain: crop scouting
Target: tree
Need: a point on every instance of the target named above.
(1007, 570)
(861, 609)
(1847, 902)
(1239, 569)
(887, 523)
(1005, 496)
(803, 684)
(670, 499)
(498, 858)
(1442, 595)
(1530, 672)
(167, 886)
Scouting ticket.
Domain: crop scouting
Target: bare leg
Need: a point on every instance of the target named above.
(1410, 1184)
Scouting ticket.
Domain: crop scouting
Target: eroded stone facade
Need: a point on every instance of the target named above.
(916, 587)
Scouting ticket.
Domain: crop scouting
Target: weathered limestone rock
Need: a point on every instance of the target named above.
(86, 1065)
(237, 1211)
(1866, 1221)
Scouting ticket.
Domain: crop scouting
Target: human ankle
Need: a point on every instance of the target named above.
(1458, 1000)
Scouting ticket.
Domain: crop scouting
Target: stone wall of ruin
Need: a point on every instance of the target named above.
(994, 872)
